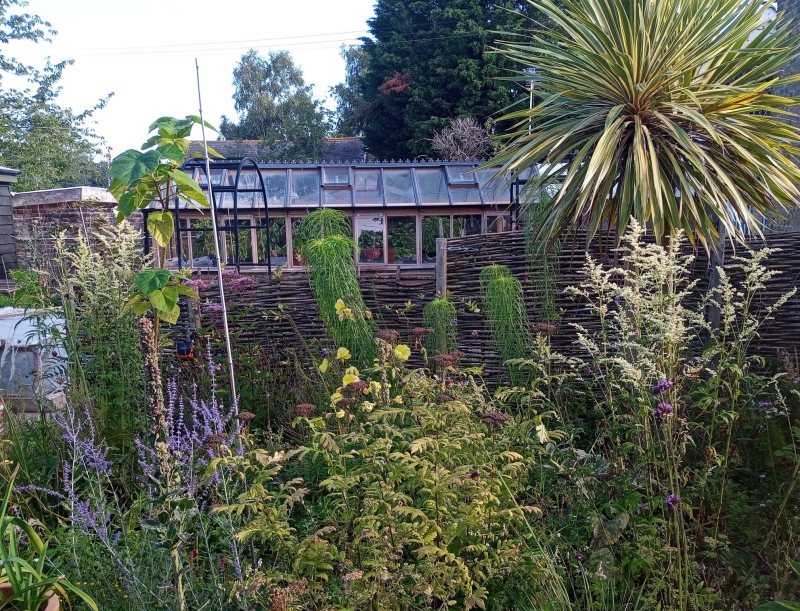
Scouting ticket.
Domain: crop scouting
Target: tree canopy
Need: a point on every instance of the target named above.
(351, 108)
(52, 145)
(277, 107)
(430, 62)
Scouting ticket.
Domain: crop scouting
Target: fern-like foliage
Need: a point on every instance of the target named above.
(507, 317)
(332, 274)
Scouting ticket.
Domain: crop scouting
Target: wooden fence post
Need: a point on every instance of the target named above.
(441, 265)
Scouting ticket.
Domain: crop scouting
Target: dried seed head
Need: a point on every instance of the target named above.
(245, 417)
(494, 418)
(388, 335)
(357, 387)
(305, 409)
(213, 441)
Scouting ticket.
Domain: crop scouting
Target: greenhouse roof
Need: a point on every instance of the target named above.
(352, 185)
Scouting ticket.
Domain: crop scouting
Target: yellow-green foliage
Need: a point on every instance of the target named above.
(332, 273)
(506, 316)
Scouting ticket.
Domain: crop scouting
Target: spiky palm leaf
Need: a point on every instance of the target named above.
(662, 111)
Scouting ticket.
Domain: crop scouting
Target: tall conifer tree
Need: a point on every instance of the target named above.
(429, 64)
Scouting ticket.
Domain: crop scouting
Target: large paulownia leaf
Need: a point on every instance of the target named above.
(131, 165)
(150, 280)
(161, 226)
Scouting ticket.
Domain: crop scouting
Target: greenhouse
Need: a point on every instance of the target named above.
(397, 210)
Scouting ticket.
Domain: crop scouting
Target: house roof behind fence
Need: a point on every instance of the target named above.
(334, 149)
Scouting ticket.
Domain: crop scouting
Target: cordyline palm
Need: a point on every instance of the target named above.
(661, 111)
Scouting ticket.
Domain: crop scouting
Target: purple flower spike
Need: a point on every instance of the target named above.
(673, 500)
(765, 404)
(453, 321)
(663, 410)
(663, 385)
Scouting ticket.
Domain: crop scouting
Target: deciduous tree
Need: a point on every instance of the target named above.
(52, 145)
(276, 106)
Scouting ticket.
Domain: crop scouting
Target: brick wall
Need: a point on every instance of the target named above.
(39, 216)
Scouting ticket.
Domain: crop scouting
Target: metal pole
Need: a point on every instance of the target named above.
(216, 247)
(530, 106)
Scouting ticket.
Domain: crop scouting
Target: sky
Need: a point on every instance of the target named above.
(144, 51)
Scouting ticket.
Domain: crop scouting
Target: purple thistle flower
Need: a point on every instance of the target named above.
(673, 500)
(663, 385)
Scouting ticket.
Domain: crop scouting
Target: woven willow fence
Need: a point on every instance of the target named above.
(281, 312)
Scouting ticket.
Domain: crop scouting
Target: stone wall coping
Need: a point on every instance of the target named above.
(68, 195)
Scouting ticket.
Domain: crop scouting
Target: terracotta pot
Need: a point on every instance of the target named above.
(52, 604)
(372, 255)
(297, 259)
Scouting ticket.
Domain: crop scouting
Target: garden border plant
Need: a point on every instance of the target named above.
(507, 318)
(328, 251)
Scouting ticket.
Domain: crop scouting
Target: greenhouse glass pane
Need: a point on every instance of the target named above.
(462, 195)
(202, 239)
(369, 237)
(433, 227)
(398, 187)
(336, 197)
(277, 241)
(432, 186)
(336, 175)
(368, 189)
(498, 224)
(469, 224)
(402, 236)
(305, 188)
(461, 174)
(275, 183)
(245, 241)
(494, 191)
